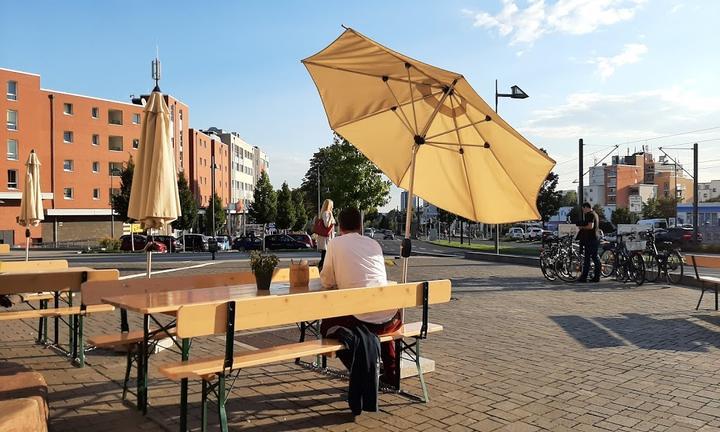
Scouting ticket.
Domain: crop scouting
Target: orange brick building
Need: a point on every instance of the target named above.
(203, 145)
(81, 142)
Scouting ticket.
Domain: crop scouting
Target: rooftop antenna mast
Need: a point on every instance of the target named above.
(156, 70)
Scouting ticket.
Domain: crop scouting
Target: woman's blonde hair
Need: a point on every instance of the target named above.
(327, 206)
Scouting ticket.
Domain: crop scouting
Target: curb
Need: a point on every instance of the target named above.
(507, 259)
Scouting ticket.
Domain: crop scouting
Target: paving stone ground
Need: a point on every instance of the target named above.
(517, 354)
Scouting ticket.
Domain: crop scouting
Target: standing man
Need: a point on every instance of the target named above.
(589, 241)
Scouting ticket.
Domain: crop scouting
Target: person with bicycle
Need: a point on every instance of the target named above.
(589, 241)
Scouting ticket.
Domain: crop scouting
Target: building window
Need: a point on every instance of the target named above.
(12, 120)
(115, 117)
(12, 90)
(68, 108)
(96, 140)
(95, 112)
(68, 136)
(68, 165)
(115, 143)
(136, 118)
(12, 179)
(114, 168)
(136, 143)
(96, 167)
(96, 194)
(68, 193)
(12, 149)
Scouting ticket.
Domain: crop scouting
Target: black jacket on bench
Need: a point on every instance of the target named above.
(362, 358)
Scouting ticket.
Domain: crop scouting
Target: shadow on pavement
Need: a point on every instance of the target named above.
(519, 283)
(586, 332)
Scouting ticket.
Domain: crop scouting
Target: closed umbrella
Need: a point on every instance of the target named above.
(428, 131)
(154, 200)
(31, 208)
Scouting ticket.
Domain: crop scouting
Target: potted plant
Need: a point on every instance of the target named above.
(263, 266)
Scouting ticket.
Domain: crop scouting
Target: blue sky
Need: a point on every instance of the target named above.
(608, 71)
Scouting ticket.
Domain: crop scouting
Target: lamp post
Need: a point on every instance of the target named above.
(113, 171)
(213, 243)
(515, 93)
(694, 176)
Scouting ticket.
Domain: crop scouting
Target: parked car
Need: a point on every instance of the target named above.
(388, 235)
(679, 236)
(516, 233)
(223, 243)
(171, 243)
(195, 242)
(370, 232)
(533, 233)
(283, 241)
(140, 242)
(246, 243)
(305, 238)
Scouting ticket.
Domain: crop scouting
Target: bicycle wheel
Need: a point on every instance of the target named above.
(547, 267)
(674, 267)
(637, 269)
(652, 266)
(566, 266)
(607, 263)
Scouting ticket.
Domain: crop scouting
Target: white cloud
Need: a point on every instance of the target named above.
(677, 7)
(528, 24)
(631, 53)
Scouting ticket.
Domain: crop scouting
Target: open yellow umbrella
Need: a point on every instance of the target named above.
(154, 199)
(31, 208)
(428, 131)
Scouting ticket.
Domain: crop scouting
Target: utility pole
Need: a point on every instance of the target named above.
(318, 188)
(695, 194)
(212, 202)
(580, 175)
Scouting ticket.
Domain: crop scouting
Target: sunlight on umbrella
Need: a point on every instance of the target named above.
(31, 207)
(429, 132)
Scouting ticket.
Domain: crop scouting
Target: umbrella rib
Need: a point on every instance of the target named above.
(445, 143)
(447, 92)
(379, 111)
(412, 97)
(458, 128)
(440, 147)
(407, 126)
(462, 156)
(532, 206)
(399, 106)
(438, 85)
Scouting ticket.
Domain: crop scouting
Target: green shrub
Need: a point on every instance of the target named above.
(110, 244)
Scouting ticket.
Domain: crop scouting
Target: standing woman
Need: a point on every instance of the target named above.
(325, 229)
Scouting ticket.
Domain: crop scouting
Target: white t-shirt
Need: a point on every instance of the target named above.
(356, 261)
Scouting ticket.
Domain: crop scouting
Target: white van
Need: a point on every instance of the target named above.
(516, 233)
(654, 223)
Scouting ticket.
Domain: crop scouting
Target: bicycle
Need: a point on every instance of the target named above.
(668, 261)
(629, 266)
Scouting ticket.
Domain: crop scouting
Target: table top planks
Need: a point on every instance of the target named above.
(39, 280)
(171, 301)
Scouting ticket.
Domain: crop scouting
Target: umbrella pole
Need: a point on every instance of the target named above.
(148, 252)
(405, 249)
(27, 244)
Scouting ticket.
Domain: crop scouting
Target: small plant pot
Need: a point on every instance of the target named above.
(263, 281)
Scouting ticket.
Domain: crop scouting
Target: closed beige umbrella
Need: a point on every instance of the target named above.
(154, 200)
(428, 131)
(31, 208)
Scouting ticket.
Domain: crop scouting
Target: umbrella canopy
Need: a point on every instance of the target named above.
(154, 200)
(31, 207)
(409, 117)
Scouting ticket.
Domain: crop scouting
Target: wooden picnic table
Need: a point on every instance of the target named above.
(169, 302)
(57, 281)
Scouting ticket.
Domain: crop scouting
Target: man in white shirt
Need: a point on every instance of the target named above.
(354, 261)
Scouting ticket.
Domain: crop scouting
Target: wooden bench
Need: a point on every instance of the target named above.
(93, 292)
(23, 401)
(4, 248)
(262, 312)
(705, 261)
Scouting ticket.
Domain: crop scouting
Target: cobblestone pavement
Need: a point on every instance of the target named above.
(517, 354)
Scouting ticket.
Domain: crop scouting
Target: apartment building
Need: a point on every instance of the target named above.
(261, 163)
(242, 168)
(709, 191)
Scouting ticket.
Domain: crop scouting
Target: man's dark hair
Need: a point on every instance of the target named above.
(587, 205)
(350, 219)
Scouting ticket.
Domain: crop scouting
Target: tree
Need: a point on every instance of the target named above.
(548, 199)
(188, 207)
(263, 209)
(346, 176)
(301, 217)
(651, 209)
(285, 208)
(623, 216)
(668, 207)
(121, 201)
(219, 215)
(568, 199)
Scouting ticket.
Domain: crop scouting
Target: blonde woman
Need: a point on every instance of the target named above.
(324, 229)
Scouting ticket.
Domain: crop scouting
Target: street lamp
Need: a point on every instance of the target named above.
(113, 171)
(515, 93)
(213, 242)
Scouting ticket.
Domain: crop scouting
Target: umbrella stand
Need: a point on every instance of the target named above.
(27, 244)
(406, 248)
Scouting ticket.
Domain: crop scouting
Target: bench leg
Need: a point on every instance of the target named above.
(79, 343)
(184, 387)
(42, 324)
(128, 367)
(56, 340)
(426, 397)
(203, 407)
(702, 293)
(142, 368)
(222, 398)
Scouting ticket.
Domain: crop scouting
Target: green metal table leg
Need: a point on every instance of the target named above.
(71, 330)
(142, 366)
(203, 408)
(79, 342)
(41, 322)
(221, 402)
(57, 318)
(184, 387)
(128, 367)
